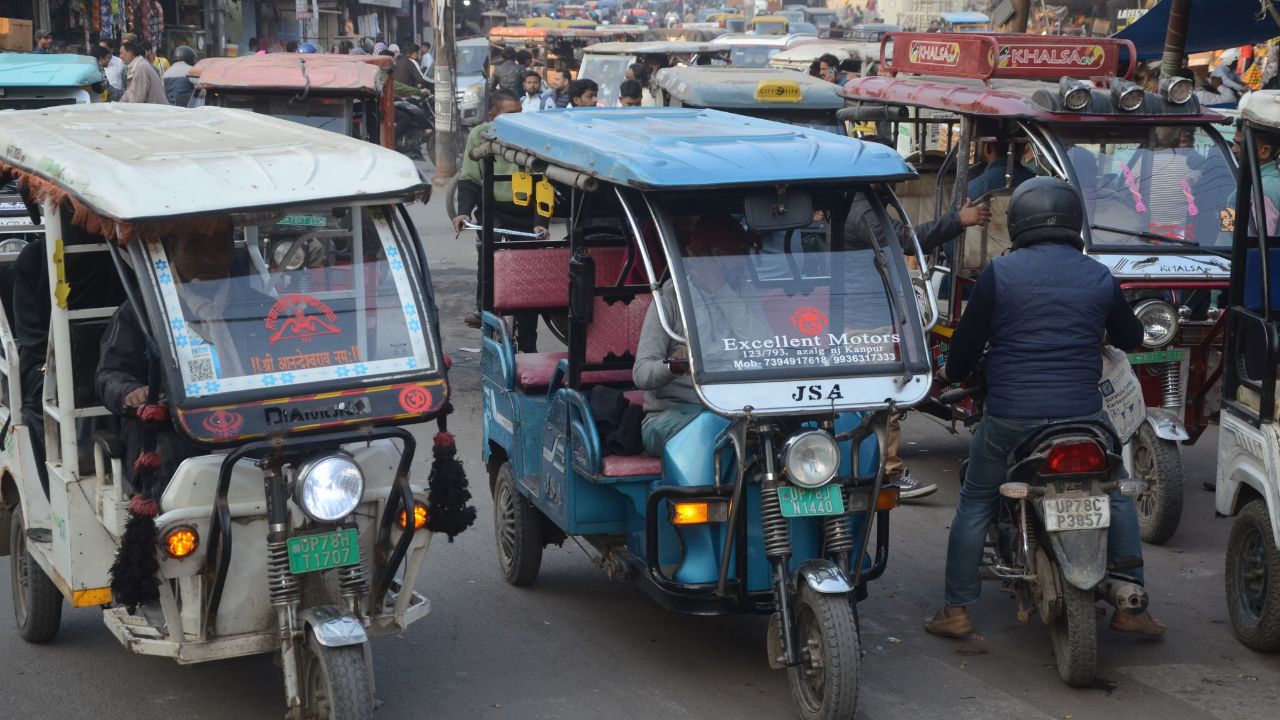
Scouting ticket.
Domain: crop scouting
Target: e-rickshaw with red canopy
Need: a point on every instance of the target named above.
(219, 462)
(1154, 176)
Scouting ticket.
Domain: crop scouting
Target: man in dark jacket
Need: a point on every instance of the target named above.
(407, 71)
(1043, 366)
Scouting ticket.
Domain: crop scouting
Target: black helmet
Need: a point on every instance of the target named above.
(1045, 209)
(184, 53)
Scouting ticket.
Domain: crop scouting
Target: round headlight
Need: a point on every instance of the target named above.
(1159, 322)
(329, 488)
(811, 458)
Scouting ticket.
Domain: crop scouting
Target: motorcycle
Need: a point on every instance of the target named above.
(1047, 543)
(415, 126)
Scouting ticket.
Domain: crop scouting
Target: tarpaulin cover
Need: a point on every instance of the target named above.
(1214, 26)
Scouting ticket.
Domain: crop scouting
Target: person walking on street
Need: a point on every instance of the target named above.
(534, 99)
(1043, 367)
(583, 93)
(630, 94)
(506, 73)
(559, 92)
(44, 43)
(115, 80)
(177, 86)
(142, 83)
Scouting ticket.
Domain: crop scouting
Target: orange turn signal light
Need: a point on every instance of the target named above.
(419, 517)
(699, 512)
(181, 541)
(889, 498)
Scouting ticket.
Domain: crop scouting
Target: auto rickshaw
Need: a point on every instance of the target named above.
(765, 501)
(607, 62)
(1154, 175)
(1248, 484)
(778, 95)
(33, 81)
(800, 57)
(348, 94)
(252, 492)
(755, 51)
(769, 25)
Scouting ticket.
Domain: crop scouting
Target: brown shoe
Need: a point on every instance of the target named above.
(952, 622)
(1142, 624)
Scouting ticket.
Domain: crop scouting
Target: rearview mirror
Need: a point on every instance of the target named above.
(778, 211)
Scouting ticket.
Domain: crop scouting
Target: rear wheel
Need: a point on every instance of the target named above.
(1075, 636)
(558, 324)
(1253, 579)
(825, 683)
(37, 603)
(336, 683)
(518, 526)
(1159, 462)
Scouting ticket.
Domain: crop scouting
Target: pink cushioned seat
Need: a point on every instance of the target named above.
(631, 465)
(534, 370)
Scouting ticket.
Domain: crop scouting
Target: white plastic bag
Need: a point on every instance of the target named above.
(1121, 393)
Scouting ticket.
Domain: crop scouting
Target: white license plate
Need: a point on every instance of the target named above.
(1087, 513)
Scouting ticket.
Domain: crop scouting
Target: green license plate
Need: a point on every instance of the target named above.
(805, 502)
(321, 551)
(1156, 356)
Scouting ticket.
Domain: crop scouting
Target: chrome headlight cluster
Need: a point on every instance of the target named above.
(471, 96)
(1159, 322)
(329, 488)
(811, 458)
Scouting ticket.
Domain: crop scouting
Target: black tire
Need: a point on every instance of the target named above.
(1159, 462)
(1075, 636)
(37, 602)
(517, 526)
(558, 324)
(1253, 579)
(335, 683)
(825, 683)
(451, 196)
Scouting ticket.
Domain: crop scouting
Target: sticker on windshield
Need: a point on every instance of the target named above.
(809, 320)
(298, 324)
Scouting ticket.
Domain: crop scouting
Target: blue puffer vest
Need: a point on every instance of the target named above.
(1051, 307)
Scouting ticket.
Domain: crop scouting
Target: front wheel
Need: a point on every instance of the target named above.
(1159, 462)
(1253, 579)
(825, 683)
(336, 683)
(37, 602)
(1075, 636)
(518, 526)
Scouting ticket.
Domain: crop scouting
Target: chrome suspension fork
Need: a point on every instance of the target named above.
(1171, 387)
(777, 547)
(283, 587)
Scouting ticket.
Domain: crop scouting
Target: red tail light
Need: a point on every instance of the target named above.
(1074, 457)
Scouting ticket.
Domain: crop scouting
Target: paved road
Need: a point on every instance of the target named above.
(581, 647)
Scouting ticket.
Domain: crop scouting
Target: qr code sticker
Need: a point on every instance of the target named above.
(201, 369)
(1107, 388)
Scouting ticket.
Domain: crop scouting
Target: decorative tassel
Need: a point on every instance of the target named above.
(153, 413)
(133, 573)
(448, 498)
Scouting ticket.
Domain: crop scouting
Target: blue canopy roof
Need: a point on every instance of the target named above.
(964, 17)
(60, 70)
(1213, 26)
(653, 148)
(728, 87)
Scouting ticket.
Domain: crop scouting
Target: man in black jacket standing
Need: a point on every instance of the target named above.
(1041, 314)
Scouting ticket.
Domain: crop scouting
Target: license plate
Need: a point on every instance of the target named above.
(1087, 513)
(321, 551)
(807, 502)
(1157, 356)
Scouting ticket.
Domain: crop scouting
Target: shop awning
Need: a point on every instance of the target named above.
(1214, 26)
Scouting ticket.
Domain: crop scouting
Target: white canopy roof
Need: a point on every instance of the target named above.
(139, 161)
(1262, 107)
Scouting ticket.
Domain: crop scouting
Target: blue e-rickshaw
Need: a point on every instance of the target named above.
(765, 500)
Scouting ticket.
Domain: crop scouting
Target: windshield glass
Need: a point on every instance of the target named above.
(753, 56)
(319, 112)
(1168, 180)
(804, 298)
(318, 295)
(471, 59)
(608, 71)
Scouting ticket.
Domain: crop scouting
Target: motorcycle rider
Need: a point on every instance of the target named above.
(1042, 367)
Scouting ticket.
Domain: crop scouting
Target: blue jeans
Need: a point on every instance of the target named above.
(988, 455)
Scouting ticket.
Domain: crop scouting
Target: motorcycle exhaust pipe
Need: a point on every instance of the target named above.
(1125, 595)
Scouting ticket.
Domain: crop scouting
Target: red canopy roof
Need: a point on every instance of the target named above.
(364, 74)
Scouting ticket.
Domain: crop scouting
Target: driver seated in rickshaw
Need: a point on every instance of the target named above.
(224, 316)
(716, 266)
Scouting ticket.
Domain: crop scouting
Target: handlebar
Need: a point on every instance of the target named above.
(951, 397)
(510, 233)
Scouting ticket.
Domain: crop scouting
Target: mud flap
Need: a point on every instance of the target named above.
(1082, 556)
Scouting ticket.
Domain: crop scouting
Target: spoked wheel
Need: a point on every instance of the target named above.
(518, 526)
(1075, 636)
(37, 603)
(335, 683)
(1253, 579)
(1159, 462)
(825, 683)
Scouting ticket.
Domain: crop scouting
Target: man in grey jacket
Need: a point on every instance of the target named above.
(725, 304)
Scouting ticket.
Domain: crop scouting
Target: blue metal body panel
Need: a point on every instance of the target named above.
(53, 70)
(657, 148)
(727, 88)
